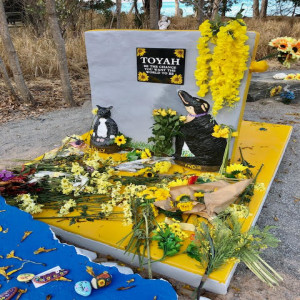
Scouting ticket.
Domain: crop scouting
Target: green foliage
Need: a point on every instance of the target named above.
(167, 241)
(224, 240)
(165, 128)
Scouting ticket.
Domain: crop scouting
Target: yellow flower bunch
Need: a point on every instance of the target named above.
(178, 182)
(155, 193)
(154, 210)
(275, 91)
(198, 195)
(227, 63)
(236, 170)
(185, 206)
(176, 229)
(66, 186)
(107, 208)
(164, 112)
(146, 153)
(28, 204)
(77, 169)
(237, 210)
(162, 167)
(223, 131)
(204, 58)
(65, 209)
(286, 45)
(290, 77)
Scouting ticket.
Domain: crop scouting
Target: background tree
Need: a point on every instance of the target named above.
(7, 82)
(263, 9)
(13, 58)
(154, 15)
(255, 9)
(200, 11)
(61, 52)
(176, 8)
(118, 12)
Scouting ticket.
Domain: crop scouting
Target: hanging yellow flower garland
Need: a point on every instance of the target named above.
(227, 63)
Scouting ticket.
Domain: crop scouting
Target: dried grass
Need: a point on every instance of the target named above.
(38, 57)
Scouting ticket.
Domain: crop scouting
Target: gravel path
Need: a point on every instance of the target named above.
(29, 138)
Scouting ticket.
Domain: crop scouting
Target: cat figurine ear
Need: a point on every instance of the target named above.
(105, 128)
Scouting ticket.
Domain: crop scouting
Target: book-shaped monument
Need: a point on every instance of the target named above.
(136, 72)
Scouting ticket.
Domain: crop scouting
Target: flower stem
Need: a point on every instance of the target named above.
(148, 246)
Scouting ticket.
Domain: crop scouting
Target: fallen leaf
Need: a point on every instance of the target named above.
(12, 255)
(130, 280)
(122, 288)
(90, 271)
(42, 249)
(26, 234)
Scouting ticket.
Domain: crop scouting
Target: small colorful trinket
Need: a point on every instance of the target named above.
(50, 276)
(102, 280)
(83, 288)
(26, 277)
(9, 293)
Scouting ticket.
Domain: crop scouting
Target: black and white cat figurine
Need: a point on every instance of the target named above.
(105, 128)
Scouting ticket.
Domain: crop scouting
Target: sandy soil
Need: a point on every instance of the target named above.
(30, 137)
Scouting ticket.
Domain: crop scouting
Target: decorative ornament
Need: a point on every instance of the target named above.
(57, 275)
(9, 294)
(227, 62)
(280, 76)
(25, 277)
(196, 145)
(104, 131)
(102, 280)
(164, 23)
(83, 288)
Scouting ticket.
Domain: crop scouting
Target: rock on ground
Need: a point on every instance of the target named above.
(32, 137)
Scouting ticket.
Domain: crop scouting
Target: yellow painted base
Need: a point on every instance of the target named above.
(261, 143)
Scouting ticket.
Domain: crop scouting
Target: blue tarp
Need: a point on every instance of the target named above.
(66, 257)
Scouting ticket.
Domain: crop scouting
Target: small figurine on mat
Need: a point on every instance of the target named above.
(196, 145)
(105, 128)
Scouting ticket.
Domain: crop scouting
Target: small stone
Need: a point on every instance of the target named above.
(25, 277)
(102, 280)
(279, 76)
(83, 288)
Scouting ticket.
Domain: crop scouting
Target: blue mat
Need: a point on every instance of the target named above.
(66, 257)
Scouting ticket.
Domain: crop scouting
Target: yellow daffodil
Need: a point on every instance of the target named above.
(182, 118)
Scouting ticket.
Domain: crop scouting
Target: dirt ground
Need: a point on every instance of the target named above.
(27, 132)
